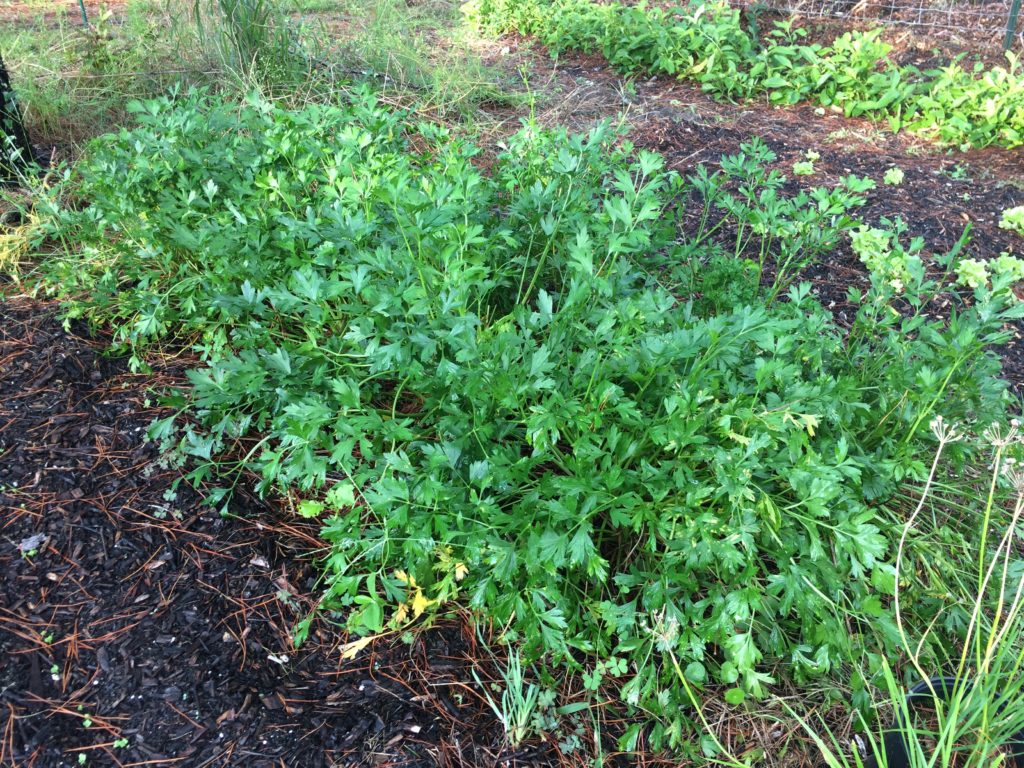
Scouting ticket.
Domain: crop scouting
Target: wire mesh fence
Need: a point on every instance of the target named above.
(989, 23)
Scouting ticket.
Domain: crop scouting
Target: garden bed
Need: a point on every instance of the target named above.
(137, 630)
(144, 628)
(941, 193)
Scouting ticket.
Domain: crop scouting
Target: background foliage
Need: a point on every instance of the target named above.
(710, 43)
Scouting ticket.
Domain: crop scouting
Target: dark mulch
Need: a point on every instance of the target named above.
(128, 615)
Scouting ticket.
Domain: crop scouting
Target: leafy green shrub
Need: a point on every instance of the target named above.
(723, 283)
(708, 41)
(980, 107)
(758, 221)
(478, 383)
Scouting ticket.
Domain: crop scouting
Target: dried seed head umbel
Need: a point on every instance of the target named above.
(665, 630)
(944, 432)
(994, 436)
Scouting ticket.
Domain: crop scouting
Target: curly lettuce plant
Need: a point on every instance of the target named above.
(893, 177)
(1013, 219)
(882, 253)
(997, 276)
(972, 273)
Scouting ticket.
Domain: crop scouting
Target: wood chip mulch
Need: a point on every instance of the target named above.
(139, 629)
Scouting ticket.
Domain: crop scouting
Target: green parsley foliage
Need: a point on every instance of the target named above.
(709, 42)
(482, 386)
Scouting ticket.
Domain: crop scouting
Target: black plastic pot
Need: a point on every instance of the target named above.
(896, 750)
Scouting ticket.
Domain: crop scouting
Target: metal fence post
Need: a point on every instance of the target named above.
(85, 16)
(1011, 25)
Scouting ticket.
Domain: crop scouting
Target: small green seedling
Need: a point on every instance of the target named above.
(893, 177)
(806, 167)
(958, 172)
